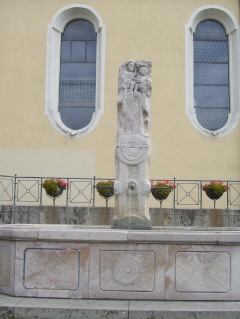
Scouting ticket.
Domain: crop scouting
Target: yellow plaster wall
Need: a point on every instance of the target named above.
(152, 30)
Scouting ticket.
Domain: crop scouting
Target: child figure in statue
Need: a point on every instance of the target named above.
(143, 81)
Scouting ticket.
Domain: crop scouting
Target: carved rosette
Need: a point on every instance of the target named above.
(127, 270)
(133, 149)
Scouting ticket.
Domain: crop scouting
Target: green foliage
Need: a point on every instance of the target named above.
(50, 186)
(166, 189)
(162, 191)
(104, 191)
(217, 186)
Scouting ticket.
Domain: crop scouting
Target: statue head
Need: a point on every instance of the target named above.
(143, 70)
(130, 66)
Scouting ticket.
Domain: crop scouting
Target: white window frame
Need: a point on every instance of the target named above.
(55, 30)
(229, 22)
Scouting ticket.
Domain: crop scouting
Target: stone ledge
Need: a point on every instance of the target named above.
(162, 235)
(87, 216)
(43, 308)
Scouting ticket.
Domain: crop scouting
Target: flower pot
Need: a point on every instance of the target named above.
(104, 194)
(158, 196)
(59, 193)
(212, 195)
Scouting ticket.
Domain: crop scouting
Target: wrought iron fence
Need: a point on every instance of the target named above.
(189, 193)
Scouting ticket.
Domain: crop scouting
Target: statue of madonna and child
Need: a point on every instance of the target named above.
(132, 186)
(134, 77)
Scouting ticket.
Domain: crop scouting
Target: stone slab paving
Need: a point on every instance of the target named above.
(184, 310)
(45, 308)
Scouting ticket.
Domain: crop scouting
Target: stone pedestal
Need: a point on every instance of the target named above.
(132, 187)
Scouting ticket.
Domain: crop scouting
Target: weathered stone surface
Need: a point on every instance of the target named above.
(56, 270)
(71, 309)
(183, 310)
(104, 216)
(29, 308)
(7, 217)
(51, 269)
(6, 313)
(166, 263)
(21, 216)
(202, 272)
(127, 270)
(211, 272)
(132, 187)
(5, 265)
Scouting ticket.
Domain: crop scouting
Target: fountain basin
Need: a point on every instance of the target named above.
(165, 263)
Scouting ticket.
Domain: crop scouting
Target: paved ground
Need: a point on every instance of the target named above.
(43, 308)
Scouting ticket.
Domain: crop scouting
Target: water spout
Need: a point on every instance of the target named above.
(132, 185)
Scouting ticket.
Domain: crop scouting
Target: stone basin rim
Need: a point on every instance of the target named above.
(87, 234)
(100, 228)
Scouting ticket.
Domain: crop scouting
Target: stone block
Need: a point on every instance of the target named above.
(189, 218)
(22, 215)
(178, 217)
(173, 235)
(205, 218)
(6, 313)
(7, 217)
(71, 309)
(8, 301)
(202, 272)
(236, 219)
(5, 265)
(121, 269)
(16, 232)
(103, 215)
(211, 272)
(34, 214)
(7, 262)
(52, 270)
(54, 215)
(7, 208)
(161, 217)
(217, 218)
(126, 271)
(183, 310)
(89, 234)
(198, 219)
(78, 216)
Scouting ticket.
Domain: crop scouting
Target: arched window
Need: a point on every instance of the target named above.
(77, 74)
(212, 70)
(211, 76)
(75, 70)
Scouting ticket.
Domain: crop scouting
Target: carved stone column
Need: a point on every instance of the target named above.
(132, 187)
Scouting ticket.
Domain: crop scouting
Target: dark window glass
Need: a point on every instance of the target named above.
(211, 75)
(77, 74)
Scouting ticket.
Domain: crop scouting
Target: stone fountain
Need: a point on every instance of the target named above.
(132, 187)
(129, 262)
